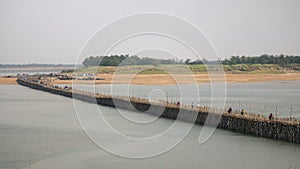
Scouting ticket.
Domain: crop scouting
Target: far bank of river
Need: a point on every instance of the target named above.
(160, 79)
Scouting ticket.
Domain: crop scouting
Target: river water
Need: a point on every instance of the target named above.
(14, 72)
(41, 130)
(259, 97)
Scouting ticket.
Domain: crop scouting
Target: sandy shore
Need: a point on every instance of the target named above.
(157, 79)
(8, 81)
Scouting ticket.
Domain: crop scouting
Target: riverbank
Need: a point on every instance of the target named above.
(160, 79)
(8, 81)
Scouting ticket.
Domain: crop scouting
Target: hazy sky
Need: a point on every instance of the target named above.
(54, 31)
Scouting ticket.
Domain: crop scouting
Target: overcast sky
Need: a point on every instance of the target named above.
(54, 31)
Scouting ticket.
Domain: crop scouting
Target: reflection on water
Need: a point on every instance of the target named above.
(40, 130)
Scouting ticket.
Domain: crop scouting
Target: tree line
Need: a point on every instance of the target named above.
(123, 60)
(282, 60)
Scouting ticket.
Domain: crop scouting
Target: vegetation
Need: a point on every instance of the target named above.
(125, 60)
(195, 68)
(68, 71)
(236, 64)
(282, 60)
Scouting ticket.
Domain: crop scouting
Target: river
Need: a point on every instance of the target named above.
(41, 130)
(256, 97)
(14, 72)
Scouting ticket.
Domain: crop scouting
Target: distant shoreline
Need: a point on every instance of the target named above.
(163, 79)
(35, 68)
